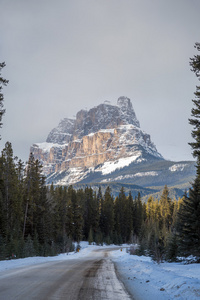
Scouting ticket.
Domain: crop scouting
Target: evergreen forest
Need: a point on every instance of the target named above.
(36, 219)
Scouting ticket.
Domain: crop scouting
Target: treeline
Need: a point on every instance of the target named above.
(40, 220)
(170, 229)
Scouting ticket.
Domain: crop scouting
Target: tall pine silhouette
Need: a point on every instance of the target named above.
(189, 214)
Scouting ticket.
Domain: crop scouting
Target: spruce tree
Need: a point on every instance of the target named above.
(90, 237)
(166, 208)
(11, 202)
(128, 218)
(69, 219)
(120, 218)
(188, 225)
(195, 121)
(108, 215)
(78, 216)
(91, 212)
(61, 218)
(138, 215)
(3, 82)
(35, 200)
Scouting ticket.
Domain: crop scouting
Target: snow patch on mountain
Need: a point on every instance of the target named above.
(75, 175)
(68, 177)
(142, 174)
(107, 130)
(46, 147)
(177, 167)
(130, 176)
(111, 166)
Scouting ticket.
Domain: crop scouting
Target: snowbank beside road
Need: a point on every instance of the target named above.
(143, 278)
(147, 280)
(23, 262)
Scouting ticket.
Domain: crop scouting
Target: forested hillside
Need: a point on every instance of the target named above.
(40, 220)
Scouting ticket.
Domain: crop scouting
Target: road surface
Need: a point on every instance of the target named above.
(92, 277)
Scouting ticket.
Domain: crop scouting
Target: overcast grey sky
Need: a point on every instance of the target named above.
(66, 55)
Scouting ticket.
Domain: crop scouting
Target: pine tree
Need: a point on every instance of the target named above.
(101, 212)
(108, 215)
(166, 208)
(90, 237)
(35, 201)
(78, 217)
(43, 226)
(11, 198)
(195, 121)
(119, 212)
(128, 218)
(29, 247)
(61, 231)
(69, 217)
(91, 212)
(138, 215)
(3, 82)
(99, 200)
(188, 227)
(172, 247)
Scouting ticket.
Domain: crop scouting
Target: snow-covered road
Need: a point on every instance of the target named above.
(87, 277)
(143, 278)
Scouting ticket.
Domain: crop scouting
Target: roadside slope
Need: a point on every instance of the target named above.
(147, 280)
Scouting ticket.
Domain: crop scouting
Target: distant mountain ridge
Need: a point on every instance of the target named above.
(106, 144)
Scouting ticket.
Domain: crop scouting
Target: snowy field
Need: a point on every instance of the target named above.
(144, 278)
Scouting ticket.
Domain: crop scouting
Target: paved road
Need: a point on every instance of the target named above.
(92, 277)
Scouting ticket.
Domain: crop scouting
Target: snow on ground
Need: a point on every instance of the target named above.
(146, 279)
(22, 262)
(143, 278)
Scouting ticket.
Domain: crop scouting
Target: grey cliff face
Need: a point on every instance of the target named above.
(127, 111)
(62, 133)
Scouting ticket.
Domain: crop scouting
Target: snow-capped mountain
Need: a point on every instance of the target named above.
(96, 144)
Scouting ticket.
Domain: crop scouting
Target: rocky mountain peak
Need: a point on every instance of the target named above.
(127, 111)
(124, 102)
(103, 116)
(104, 138)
